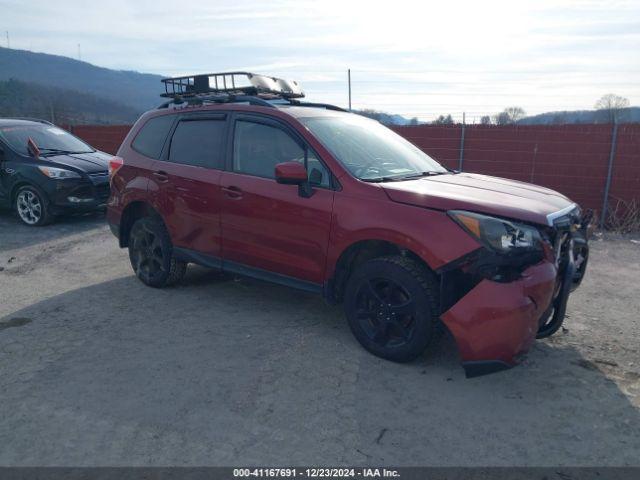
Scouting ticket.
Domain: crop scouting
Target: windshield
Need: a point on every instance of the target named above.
(369, 150)
(49, 139)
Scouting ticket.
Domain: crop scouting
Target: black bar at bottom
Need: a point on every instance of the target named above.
(404, 473)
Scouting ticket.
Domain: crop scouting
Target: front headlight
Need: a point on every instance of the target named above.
(497, 234)
(58, 173)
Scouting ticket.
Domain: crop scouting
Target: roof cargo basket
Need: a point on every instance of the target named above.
(232, 83)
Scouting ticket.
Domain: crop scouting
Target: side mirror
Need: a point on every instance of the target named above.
(291, 173)
(294, 173)
(33, 148)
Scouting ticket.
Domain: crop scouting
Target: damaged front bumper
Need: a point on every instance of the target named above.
(495, 317)
(496, 323)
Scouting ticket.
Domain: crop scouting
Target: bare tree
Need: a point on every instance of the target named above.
(515, 113)
(611, 107)
(509, 115)
(442, 120)
(485, 120)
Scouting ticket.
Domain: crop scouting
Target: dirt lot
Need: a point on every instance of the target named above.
(97, 369)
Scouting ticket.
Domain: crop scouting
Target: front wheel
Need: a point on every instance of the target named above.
(151, 254)
(391, 305)
(32, 206)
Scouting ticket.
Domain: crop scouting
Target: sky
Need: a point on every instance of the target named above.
(414, 58)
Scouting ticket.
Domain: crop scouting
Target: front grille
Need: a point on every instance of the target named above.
(99, 177)
(571, 219)
(102, 192)
(100, 182)
(570, 232)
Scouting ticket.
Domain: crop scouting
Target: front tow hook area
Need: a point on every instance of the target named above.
(581, 259)
(558, 308)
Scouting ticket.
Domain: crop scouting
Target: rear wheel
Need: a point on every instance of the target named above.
(32, 206)
(391, 305)
(151, 254)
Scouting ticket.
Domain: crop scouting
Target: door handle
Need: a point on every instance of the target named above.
(161, 176)
(232, 192)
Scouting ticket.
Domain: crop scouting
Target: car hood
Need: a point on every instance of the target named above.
(480, 193)
(94, 162)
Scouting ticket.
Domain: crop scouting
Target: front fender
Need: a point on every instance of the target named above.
(430, 234)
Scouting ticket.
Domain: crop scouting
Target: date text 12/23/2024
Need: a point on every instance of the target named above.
(315, 473)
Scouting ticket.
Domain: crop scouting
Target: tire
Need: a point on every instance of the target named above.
(391, 304)
(31, 206)
(151, 254)
(547, 325)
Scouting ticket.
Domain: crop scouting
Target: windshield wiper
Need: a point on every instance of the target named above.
(58, 151)
(423, 174)
(400, 178)
(382, 179)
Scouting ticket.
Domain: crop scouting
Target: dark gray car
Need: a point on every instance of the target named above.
(46, 171)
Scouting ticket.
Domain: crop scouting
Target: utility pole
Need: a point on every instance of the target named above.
(349, 81)
(461, 159)
(607, 185)
(79, 55)
(8, 42)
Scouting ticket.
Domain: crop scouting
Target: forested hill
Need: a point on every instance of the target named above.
(626, 115)
(139, 91)
(60, 105)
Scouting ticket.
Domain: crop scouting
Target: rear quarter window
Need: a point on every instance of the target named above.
(151, 137)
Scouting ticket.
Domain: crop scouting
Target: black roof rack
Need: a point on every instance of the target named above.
(179, 100)
(328, 106)
(235, 87)
(232, 83)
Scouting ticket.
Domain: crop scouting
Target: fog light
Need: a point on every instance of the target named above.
(79, 200)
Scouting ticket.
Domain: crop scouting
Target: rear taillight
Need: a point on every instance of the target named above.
(114, 164)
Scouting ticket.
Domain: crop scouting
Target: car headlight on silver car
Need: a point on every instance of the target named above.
(500, 235)
(58, 173)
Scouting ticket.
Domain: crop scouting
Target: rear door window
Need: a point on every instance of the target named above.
(152, 135)
(198, 143)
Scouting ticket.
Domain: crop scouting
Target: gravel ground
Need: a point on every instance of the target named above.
(97, 369)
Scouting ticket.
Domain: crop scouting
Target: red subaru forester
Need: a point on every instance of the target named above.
(236, 173)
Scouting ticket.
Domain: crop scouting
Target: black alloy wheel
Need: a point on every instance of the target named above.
(386, 312)
(391, 305)
(150, 253)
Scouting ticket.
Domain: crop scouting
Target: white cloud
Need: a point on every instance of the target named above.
(412, 57)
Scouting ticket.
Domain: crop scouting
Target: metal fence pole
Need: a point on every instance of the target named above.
(461, 160)
(349, 82)
(607, 186)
